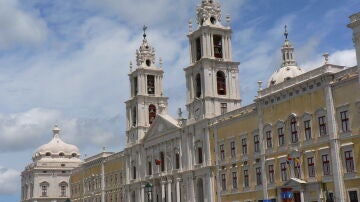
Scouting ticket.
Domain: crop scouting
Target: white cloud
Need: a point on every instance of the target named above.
(341, 57)
(9, 180)
(19, 27)
(30, 129)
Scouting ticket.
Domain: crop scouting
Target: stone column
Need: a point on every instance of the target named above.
(169, 190)
(302, 199)
(142, 193)
(163, 191)
(355, 26)
(337, 170)
(262, 152)
(177, 189)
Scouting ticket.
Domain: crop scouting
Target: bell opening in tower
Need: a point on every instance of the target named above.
(218, 46)
(221, 83)
(134, 116)
(151, 84)
(198, 48)
(135, 86)
(152, 113)
(198, 85)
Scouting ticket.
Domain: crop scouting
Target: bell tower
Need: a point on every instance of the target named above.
(212, 79)
(146, 93)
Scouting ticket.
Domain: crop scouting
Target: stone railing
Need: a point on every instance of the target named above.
(235, 113)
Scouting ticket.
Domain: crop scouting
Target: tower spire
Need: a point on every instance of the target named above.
(287, 51)
(286, 33)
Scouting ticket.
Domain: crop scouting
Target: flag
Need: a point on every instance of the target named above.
(157, 162)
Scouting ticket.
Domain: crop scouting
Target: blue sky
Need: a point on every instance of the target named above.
(66, 62)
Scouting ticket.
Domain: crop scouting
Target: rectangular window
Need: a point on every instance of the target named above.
(256, 143)
(63, 190)
(234, 180)
(198, 48)
(349, 162)
(283, 171)
(294, 133)
(162, 161)
(281, 137)
(311, 166)
(258, 176)
(223, 108)
(344, 121)
(149, 168)
(297, 169)
(233, 151)
(222, 152)
(135, 85)
(246, 178)
(244, 145)
(177, 160)
(217, 46)
(43, 190)
(151, 84)
(307, 127)
(353, 196)
(223, 182)
(326, 164)
(268, 139)
(200, 155)
(322, 126)
(271, 173)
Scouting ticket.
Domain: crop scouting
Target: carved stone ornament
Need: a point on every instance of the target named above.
(145, 52)
(208, 9)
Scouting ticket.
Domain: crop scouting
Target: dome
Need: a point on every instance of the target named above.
(285, 73)
(56, 148)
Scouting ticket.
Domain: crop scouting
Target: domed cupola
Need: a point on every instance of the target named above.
(145, 56)
(56, 148)
(209, 13)
(289, 68)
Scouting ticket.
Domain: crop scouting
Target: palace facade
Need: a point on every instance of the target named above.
(298, 141)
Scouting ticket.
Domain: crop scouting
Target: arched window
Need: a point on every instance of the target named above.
(221, 83)
(152, 113)
(63, 185)
(134, 172)
(177, 160)
(198, 85)
(151, 84)
(44, 188)
(200, 155)
(48, 154)
(134, 116)
(217, 39)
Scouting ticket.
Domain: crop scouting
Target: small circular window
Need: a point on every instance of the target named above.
(213, 20)
(61, 154)
(148, 63)
(73, 155)
(48, 154)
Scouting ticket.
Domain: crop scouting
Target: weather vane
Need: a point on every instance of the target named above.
(144, 29)
(286, 33)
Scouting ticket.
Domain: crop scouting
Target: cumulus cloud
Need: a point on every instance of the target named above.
(341, 57)
(19, 26)
(30, 129)
(9, 180)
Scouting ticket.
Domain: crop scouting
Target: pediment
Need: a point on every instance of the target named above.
(163, 123)
(294, 182)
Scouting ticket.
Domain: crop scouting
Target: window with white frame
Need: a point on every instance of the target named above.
(246, 178)
(63, 189)
(293, 130)
(222, 152)
(322, 126)
(344, 117)
(268, 139)
(256, 143)
(349, 161)
(311, 166)
(258, 176)
(307, 129)
(283, 171)
(326, 164)
(234, 179)
(223, 182)
(244, 145)
(44, 189)
(271, 173)
(233, 149)
(281, 136)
